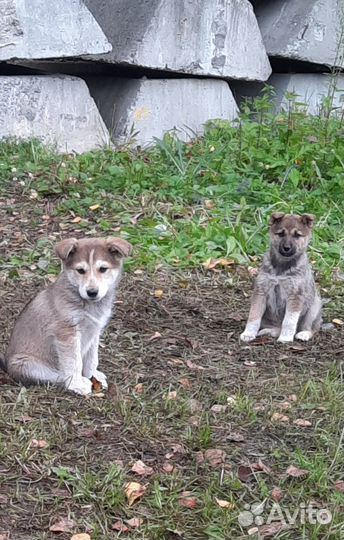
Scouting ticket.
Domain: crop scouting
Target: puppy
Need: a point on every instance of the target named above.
(285, 302)
(56, 337)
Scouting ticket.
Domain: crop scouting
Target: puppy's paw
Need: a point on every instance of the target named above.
(305, 335)
(247, 336)
(101, 377)
(285, 338)
(82, 386)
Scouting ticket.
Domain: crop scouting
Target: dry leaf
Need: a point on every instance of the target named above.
(338, 322)
(155, 336)
(96, 385)
(276, 494)
(142, 469)
(158, 293)
(284, 405)
(80, 536)
(94, 207)
(292, 397)
(62, 525)
(24, 418)
(209, 264)
(39, 443)
(134, 491)
(217, 408)
(139, 388)
(297, 348)
(170, 396)
(271, 529)
(77, 219)
(167, 467)
(249, 363)
(295, 472)
(134, 522)
(339, 486)
(119, 526)
(191, 365)
(302, 423)
(185, 383)
(214, 457)
(188, 502)
(278, 417)
(225, 504)
(235, 437)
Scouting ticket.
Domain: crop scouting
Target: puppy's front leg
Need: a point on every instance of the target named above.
(90, 363)
(258, 305)
(291, 318)
(68, 349)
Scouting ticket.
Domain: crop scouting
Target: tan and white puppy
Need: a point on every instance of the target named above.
(56, 337)
(285, 302)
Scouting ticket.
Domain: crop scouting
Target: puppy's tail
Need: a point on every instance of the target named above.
(3, 365)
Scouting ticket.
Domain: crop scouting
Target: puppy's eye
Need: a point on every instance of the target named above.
(103, 269)
(280, 234)
(297, 235)
(81, 271)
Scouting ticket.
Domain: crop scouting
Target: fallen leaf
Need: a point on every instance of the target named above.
(278, 417)
(225, 504)
(96, 385)
(94, 207)
(98, 395)
(185, 383)
(297, 348)
(260, 466)
(87, 432)
(339, 486)
(80, 536)
(77, 219)
(292, 397)
(271, 529)
(249, 363)
(62, 525)
(155, 336)
(142, 469)
(188, 502)
(276, 494)
(167, 468)
(158, 293)
(39, 443)
(192, 365)
(119, 526)
(235, 436)
(209, 264)
(252, 530)
(284, 405)
(134, 522)
(214, 456)
(338, 322)
(139, 388)
(134, 491)
(171, 396)
(246, 471)
(209, 204)
(217, 408)
(302, 423)
(295, 472)
(261, 340)
(24, 418)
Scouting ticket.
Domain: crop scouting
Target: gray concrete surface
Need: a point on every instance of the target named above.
(308, 30)
(218, 38)
(136, 110)
(57, 110)
(33, 29)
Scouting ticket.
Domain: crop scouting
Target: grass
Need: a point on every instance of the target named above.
(180, 205)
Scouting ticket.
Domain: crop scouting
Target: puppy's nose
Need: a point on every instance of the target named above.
(286, 248)
(92, 292)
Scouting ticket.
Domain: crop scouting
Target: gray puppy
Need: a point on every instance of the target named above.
(285, 302)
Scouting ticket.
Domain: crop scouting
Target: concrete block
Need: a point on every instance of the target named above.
(57, 110)
(34, 29)
(307, 30)
(311, 89)
(218, 38)
(141, 109)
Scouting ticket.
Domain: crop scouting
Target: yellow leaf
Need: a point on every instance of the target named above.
(158, 293)
(134, 491)
(338, 322)
(77, 219)
(94, 207)
(80, 536)
(225, 504)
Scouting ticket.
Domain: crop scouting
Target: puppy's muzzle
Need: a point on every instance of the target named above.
(92, 292)
(287, 250)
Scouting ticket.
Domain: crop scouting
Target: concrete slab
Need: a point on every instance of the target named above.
(33, 29)
(307, 30)
(218, 38)
(57, 110)
(136, 110)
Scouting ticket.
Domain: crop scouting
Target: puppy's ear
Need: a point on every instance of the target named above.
(276, 217)
(308, 220)
(65, 248)
(119, 246)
